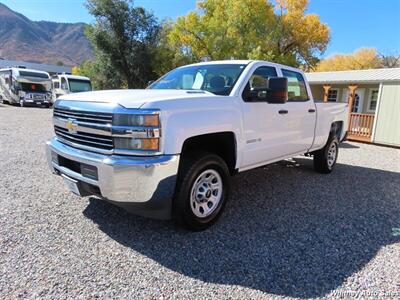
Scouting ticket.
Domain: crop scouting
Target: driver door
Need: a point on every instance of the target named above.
(267, 127)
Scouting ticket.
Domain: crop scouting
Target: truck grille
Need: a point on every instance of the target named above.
(83, 116)
(39, 96)
(84, 121)
(86, 139)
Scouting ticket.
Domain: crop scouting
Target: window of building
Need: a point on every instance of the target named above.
(373, 100)
(333, 95)
(297, 90)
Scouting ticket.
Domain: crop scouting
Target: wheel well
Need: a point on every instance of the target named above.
(337, 129)
(222, 143)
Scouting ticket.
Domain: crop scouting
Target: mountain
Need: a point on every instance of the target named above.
(45, 42)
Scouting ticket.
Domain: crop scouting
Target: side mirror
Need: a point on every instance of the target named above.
(277, 90)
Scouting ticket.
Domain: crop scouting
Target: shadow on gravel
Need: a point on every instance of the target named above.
(287, 230)
(348, 146)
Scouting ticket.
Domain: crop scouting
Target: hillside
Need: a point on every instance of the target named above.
(46, 42)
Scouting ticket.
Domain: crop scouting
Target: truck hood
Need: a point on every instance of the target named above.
(135, 98)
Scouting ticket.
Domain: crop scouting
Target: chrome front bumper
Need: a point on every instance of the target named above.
(143, 185)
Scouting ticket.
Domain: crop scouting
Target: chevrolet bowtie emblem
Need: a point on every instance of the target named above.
(71, 126)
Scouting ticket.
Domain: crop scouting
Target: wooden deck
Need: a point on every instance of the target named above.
(360, 127)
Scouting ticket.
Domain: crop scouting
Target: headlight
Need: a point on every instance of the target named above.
(136, 120)
(137, 131)
(151, 144)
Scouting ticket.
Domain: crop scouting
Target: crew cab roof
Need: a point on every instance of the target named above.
(221, 62)
(243, 62)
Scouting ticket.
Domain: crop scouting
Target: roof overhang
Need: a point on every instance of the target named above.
(315, 82)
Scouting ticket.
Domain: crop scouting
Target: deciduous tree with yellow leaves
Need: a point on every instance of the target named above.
(251, 29)
(361, 59)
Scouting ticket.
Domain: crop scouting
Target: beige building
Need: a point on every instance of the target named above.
(375, 114)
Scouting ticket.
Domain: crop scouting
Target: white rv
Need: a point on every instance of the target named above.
(25, 87)
(65, 84)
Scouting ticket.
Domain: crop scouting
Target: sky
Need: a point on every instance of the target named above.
(353, 23)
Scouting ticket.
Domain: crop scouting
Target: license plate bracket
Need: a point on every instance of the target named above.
(72, 185)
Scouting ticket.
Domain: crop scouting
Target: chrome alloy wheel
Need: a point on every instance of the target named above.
(332, 153)
(206, 193)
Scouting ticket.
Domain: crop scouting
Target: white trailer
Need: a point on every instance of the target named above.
(25, 87)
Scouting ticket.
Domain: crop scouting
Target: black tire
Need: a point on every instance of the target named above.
(189, 171)
(4, 100)
(323, 159)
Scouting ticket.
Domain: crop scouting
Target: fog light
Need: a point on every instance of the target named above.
(89, 171)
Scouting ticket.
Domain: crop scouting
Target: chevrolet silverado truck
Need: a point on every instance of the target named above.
(168, 151)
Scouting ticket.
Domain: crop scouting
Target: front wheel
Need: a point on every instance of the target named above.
(202, 191)
(4, 101)
(325, 159)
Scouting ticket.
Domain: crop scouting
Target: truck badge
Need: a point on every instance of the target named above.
(71, 126)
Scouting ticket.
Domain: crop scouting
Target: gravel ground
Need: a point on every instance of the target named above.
(287, 231)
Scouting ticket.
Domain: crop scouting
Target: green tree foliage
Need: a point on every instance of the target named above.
(251, 29)
(101, 73)
(168, 56)
(131, 47)
(125, 41)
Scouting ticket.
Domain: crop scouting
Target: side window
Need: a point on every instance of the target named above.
(297, 89)
(64, 84)
(259, 79)
(373, 100)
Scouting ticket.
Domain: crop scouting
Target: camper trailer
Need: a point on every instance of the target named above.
(25, 87)
(66, 84)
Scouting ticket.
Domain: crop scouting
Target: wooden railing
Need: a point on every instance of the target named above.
(360, 127)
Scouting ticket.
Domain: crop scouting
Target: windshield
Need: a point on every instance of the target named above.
(33, 74)
(77, 85)
(218, 79)
(32, 87)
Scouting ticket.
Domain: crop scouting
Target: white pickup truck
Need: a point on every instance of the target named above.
(168, 151)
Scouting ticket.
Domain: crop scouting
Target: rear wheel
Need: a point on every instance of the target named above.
(325, 159)
(201, 192)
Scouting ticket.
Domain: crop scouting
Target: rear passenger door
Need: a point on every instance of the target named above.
(301, 112)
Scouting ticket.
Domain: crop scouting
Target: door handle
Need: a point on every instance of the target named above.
(283, 111)
(311, 110)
